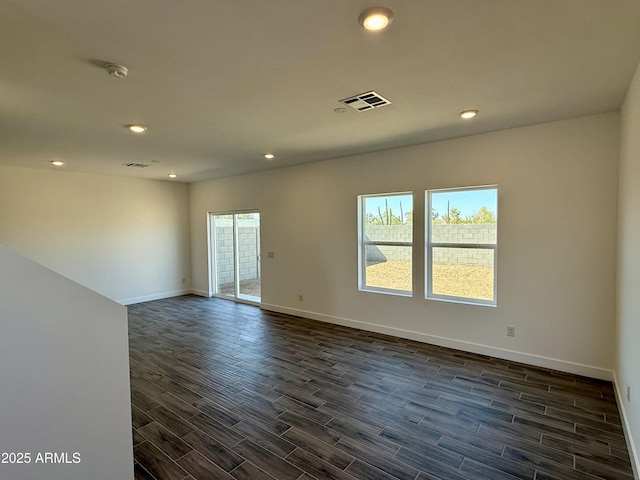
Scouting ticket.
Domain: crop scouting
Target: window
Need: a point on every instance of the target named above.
(462, 233)
(385, 243)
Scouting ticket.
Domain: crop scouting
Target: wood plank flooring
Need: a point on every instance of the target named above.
(222, 390)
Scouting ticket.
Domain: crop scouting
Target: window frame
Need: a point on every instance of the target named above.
(429, 246)
(363, 244)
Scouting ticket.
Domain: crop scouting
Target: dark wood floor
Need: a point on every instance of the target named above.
(223, 390)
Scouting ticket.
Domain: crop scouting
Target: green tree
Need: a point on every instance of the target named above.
(408, 218)
(387, 217)
(454, 216)
(483, 215)
(372, 219)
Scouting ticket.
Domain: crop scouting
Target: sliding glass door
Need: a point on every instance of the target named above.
(236, 255)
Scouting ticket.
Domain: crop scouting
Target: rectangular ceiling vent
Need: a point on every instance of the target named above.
(366, 101)
(136, 165)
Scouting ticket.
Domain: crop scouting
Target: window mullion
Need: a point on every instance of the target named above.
(490, 246)
(388, 244)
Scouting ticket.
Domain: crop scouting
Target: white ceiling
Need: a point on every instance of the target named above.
(220, 83)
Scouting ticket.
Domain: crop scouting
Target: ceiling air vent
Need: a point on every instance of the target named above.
(135, 165)
(366, 101)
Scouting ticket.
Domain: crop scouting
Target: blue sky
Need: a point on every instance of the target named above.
(467, 201)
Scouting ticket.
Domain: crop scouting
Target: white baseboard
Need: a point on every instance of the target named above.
(530, 359)
(631, 446)
(156, 296)
(200, 293)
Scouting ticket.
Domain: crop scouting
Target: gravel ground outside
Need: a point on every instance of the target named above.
(247, 287)
(457, 280)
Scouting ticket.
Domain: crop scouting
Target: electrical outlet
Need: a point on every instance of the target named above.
(628, 394)
(184, 280)
(300, 298)
(511, 331)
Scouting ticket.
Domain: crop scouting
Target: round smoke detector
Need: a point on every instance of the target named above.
(117, 71)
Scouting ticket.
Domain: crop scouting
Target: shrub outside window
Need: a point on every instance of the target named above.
(462, 246)
(385, 243)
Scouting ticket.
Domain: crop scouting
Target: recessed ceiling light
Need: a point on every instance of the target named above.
(137, 128)
(375, 18)
(468, 113)
(269, 156)
(172, 175)
(57, 163)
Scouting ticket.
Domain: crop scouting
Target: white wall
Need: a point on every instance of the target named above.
(557, 246)
(125, 238)
(64, 377)
(628, 320)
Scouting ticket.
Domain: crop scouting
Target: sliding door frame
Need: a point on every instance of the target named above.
(212, 253)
